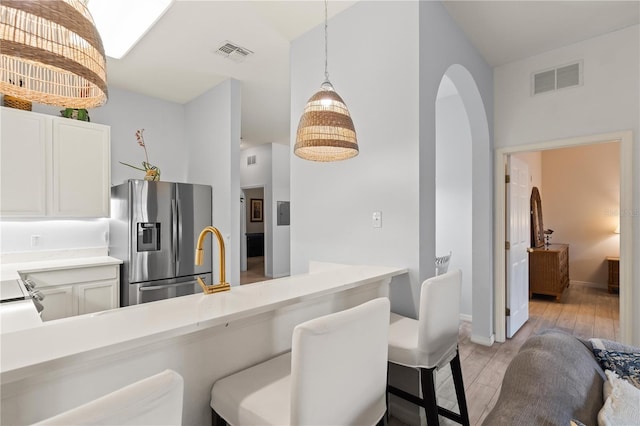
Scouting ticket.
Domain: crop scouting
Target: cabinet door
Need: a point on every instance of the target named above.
(58, 302)
(23, 167)
(81, 169)
(95, 297)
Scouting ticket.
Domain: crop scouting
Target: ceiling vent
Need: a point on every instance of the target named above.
(251, 160)
(557, 78)
(233, 51)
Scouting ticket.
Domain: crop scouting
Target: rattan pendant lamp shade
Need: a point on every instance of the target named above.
(326, 131)
(51, 53)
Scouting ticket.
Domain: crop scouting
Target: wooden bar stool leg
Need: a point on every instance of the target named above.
(456, 372)
(429, 396)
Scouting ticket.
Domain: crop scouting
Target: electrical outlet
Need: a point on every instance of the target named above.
(377, 219)
(35, 240)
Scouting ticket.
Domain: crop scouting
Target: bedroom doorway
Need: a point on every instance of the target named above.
(253, 262)
(604, 220)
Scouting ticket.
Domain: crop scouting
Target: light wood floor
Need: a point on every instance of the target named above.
(583, 311)
(254, 272)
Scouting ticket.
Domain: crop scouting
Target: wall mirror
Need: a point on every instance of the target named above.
(537, 229)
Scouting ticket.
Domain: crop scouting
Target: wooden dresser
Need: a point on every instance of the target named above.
(614, 274)
(549, 270)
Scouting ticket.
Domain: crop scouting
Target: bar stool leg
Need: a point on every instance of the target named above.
(387, 413)
(429, 396)
(456, 372)
(216, 420)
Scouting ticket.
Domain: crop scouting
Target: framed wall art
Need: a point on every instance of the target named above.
(256, 210)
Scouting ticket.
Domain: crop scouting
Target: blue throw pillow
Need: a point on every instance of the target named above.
(625, 364)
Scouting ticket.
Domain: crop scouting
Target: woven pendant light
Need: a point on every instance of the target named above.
(51, 53)
(326, 131)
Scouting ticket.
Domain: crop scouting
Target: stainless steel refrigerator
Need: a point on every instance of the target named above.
(154, 228)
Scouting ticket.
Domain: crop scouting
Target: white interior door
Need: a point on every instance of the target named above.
(518, 222)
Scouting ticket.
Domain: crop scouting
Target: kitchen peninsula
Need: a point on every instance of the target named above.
(65, 363)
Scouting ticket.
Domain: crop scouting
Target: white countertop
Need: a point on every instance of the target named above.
(10, 271)
(18, 315)
(134, 326)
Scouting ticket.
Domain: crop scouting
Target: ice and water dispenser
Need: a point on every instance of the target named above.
(148, 236)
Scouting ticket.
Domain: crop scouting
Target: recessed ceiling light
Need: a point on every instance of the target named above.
(122, 23)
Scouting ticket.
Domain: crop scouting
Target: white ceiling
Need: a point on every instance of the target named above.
(175, 60)
(506, 31)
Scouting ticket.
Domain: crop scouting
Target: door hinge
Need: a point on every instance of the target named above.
(507, 178)
(507, 312)
(507, 245)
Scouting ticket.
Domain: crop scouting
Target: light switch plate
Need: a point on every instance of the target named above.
(377, 219)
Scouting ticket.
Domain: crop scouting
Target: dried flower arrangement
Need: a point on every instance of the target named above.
(152, 173)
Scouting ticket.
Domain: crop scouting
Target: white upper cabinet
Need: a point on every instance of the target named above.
(81, 169)
(23, 163)
(53, 166)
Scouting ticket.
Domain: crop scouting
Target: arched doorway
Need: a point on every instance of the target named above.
(463, 194)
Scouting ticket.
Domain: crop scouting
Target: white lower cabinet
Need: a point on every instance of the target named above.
(78, 291)
(58, 302)
(96, 297)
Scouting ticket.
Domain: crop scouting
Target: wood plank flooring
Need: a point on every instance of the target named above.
(582, 311)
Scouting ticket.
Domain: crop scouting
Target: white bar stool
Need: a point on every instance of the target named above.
(442, 263)
(335, 374)
(430, 343)
(156, 400)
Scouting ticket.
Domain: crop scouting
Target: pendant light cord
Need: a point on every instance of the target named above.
(326, 43)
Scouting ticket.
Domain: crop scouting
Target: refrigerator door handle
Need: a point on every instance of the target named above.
(160, 287)
(174, 231)
(178, 231)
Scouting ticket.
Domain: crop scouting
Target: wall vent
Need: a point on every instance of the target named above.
(557, 78)
(233, 51)
(251, 160)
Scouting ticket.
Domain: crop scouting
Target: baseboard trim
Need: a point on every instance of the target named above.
(409, 414)
(465, 318)
(481, 340)
(280, 275)
(588, 284)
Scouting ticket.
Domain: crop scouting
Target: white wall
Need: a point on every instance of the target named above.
(332, 203)
(453, 191)
(281, 191)
(258, 174)
(212, 132)
(15, 236)
(608, 101)
(580, 203)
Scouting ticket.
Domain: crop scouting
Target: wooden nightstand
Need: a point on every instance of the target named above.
(614, 274)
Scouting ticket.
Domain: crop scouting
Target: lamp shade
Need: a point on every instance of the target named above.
(326, 131)
(51, 53)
